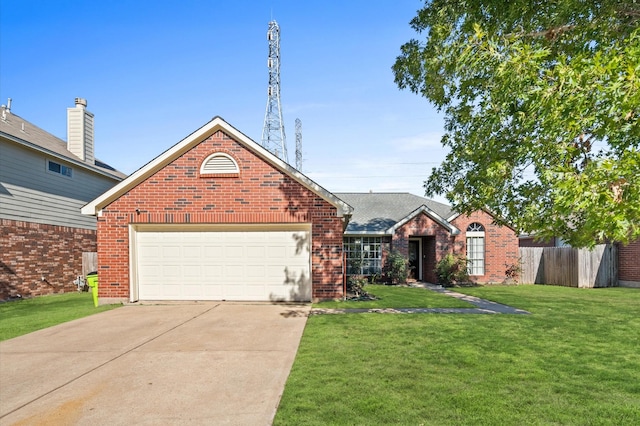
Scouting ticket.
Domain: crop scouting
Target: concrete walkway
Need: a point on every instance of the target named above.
(194, 363)
(482, 306)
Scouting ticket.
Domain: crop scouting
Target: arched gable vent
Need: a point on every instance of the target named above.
(219, 163)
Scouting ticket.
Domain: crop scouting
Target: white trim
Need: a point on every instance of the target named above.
(133, 265)
(220, 227)
(475, 233)
(433, 215)
(205, 171)
(419, 241)
(91, 208)
(134, 229)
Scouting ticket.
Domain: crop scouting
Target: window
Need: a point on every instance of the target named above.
(59, 168)
(475, 249)
(219, 163)
(364, 255)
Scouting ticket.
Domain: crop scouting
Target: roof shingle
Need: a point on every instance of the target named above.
(376, 212)
(31, 135)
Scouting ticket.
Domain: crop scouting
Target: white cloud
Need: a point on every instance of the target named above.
(421, 141)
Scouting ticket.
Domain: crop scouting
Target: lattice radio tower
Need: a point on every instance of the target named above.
(273, 137)
(298, 144)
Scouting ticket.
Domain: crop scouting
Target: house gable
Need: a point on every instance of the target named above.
(197, 137)
(424, 210)
(171, 193)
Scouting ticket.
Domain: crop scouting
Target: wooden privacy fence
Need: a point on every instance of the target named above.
(570, 267)
(89, 262)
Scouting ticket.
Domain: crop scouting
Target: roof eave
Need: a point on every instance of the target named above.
(217, 123)
(74, 161)
(433, 215)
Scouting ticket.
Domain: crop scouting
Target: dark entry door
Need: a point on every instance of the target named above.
(414, 259)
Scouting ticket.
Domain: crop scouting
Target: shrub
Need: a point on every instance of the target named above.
(452, 269)
(512, 272)
(396, 267)
(355, 284)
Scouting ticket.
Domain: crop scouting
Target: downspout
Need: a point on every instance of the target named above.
(345, 223)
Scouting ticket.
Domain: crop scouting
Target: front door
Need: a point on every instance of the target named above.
(414, 260)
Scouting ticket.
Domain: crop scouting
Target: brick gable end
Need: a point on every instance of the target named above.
(259, 193)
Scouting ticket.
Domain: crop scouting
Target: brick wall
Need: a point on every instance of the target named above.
(434, 247)
(259, 194)
(32, 251)
(629, 263)
(501, 246)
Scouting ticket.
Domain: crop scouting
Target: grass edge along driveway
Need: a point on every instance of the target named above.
(24, 316)
(575, 360)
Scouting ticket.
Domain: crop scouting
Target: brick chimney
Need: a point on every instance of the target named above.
(80, 131)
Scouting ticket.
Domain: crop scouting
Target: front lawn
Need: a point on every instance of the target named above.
(24, 316)
(575, 360)
(398, 297)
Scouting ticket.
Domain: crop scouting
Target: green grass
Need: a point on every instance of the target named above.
(24, 316)
(398, 297)
(574, 361)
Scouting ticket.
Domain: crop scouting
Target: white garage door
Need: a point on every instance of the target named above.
(263, 265)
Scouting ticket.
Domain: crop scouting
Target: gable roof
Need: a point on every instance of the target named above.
(216, 124)
(18, 130)
(383, 212)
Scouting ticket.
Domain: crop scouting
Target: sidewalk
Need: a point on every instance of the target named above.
(482, 306)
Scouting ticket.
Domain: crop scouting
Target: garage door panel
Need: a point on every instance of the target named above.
(192, 271)
(218, 265)
(255, 271)
(276, 253)
(234, 251)
(211, 251)
(255, 252)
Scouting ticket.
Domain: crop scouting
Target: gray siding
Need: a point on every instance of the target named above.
(29, 192)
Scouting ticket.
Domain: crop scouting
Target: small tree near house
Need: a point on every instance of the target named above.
(452, 269)
(396, 267)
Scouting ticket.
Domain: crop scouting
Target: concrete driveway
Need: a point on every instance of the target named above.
(187, 363)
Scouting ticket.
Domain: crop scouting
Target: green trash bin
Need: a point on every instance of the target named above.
(92, 281)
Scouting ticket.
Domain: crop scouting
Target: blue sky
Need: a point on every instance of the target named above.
(155, 71)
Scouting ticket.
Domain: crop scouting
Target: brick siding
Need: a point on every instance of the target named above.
(435, 246)
(33, 251)
(260, 193)
(629, 262)
(500, 246)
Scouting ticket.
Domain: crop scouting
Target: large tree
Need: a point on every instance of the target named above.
(541, 102)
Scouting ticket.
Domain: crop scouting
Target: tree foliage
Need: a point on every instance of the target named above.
(541, 103)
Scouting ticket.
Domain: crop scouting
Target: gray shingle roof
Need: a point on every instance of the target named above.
(376, 212)
(31, 135)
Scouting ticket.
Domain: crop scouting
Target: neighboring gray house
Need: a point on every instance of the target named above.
(44, 181)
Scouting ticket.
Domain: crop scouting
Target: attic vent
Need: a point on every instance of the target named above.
(219, 163)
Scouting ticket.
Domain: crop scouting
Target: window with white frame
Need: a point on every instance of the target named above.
(475, 249)
(60, 169)
(364, 255)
